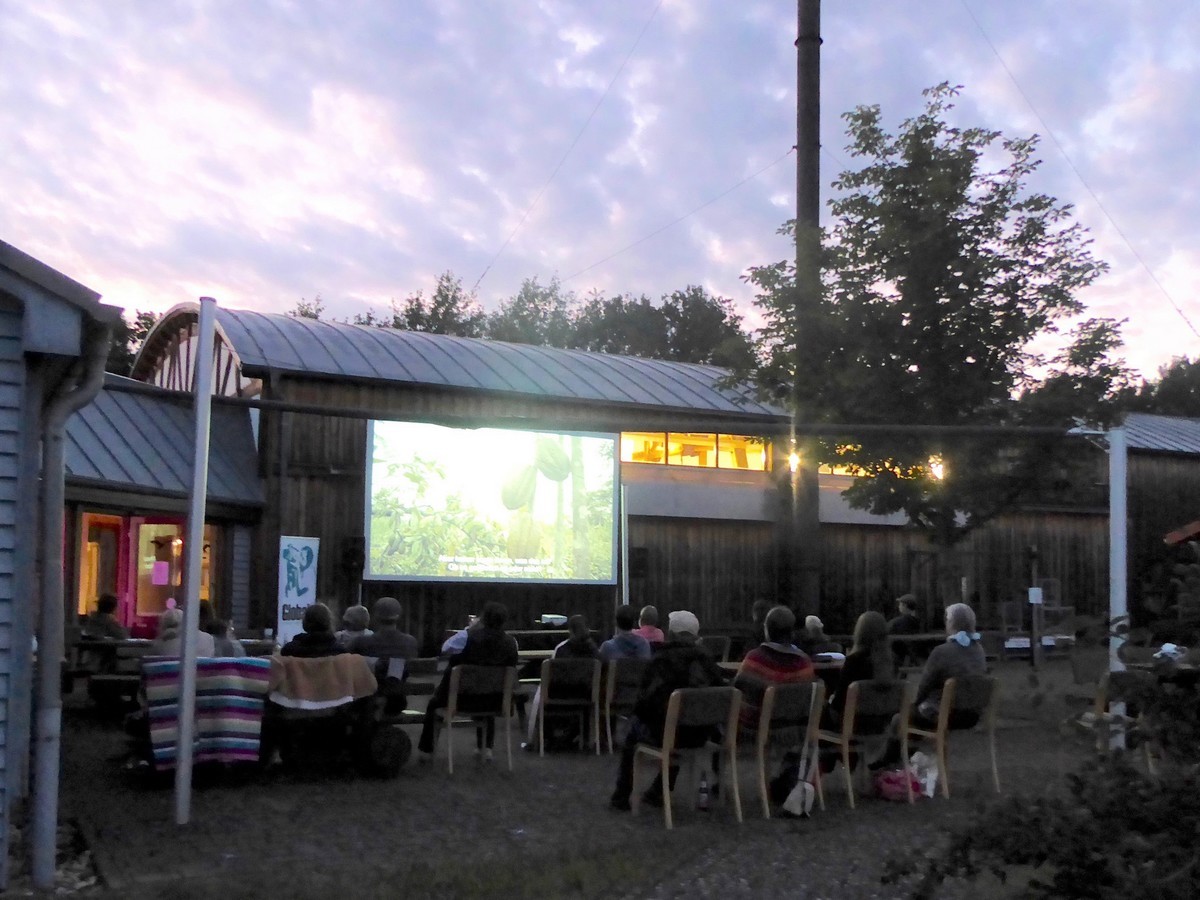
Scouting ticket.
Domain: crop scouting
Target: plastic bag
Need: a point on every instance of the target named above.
(892, 784)
(925, 769)
(799, 802)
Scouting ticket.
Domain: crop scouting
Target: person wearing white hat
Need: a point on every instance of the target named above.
(679, 663)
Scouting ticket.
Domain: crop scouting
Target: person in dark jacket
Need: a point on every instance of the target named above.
(317, 638)
(386, 643)
(488, 644)
(625, 644)
(103, 622)
(906, 622)
(679, 663)
(580, 644)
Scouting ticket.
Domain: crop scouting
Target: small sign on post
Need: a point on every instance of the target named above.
(1035, 626)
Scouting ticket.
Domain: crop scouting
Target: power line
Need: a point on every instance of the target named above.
(686, 215)
(1050, 133)
(583, 128)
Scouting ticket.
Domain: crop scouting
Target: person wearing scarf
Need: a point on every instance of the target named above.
(961, 654)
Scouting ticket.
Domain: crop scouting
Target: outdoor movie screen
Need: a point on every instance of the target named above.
(490, 504)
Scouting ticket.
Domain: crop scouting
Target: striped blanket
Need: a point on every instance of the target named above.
(229, 708)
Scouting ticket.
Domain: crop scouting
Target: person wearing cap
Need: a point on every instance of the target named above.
(906, 622)
(387, 642)
(679, 663)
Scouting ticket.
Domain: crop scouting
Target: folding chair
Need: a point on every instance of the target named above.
(699, 708)
(487, 692)
(716, 645)
(790, 706)
(870, 706)
(570, 685)
(963, 695)
(622, 682)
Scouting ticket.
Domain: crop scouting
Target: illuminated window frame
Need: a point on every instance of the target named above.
(707, 450)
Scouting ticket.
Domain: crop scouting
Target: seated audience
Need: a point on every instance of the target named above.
(869, 659)
(103, 622)
(962, 654)
(455, 643)
(487, 644)
(814, 640)
(679, 663)
(907, 621)
(579, 644)
(775, 661)
(388, 642)
(625, 642)
(354, 626)
(648, 626)
(758, 615)
(317, 638)
(169, 641)
(224, 643)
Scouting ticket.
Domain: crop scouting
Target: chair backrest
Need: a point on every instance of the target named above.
(702, 708)
(790, 706)
(485, 681)
(869, 704)
(424, 665)
(970, 693)
(1088, 663)
(624, 681)
(716, 645)
(1135, 654)
(571, 675)
(1012, 615)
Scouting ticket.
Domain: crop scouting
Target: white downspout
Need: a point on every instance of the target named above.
(88, 377)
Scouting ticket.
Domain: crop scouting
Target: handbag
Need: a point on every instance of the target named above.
(892, 784)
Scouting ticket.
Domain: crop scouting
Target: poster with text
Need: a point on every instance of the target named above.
(297, 583)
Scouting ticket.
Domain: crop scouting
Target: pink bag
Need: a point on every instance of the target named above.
(890, 784)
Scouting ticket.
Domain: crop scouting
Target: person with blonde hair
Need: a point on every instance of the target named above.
(169, 640)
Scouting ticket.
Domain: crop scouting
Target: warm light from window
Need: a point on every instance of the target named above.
(937, 468)
(793, 461)
(720, 451)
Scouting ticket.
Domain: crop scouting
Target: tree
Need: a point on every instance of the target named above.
(538, 314)
(620, 324)
(451, 310)
(127, 341)
(1176, 391)
(942, 274)
(308, 309)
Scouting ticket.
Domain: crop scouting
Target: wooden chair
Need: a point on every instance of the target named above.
(716, 645)
(965, 694)
(570, 685)
(622, 682)
(1089, 665)
(702, 708)
(474, 684)
(790, 706)
(1120, 687)
(869, 708)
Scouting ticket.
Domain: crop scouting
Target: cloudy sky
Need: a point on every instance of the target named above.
(260, 152)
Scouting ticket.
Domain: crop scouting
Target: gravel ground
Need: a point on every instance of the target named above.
(544, 830)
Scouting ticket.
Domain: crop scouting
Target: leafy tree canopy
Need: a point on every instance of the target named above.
(127, 341)
(537, 314)
(1176, 391)
(943, 274)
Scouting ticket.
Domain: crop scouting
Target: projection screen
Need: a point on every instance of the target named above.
(490, 504)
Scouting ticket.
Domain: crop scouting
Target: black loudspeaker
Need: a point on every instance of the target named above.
(639, 562)
(354, 555)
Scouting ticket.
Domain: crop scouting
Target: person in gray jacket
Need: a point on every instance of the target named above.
(961, 654)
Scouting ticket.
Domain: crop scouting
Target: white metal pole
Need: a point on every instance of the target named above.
(1118, 606)
(624, 548)
(194, 548)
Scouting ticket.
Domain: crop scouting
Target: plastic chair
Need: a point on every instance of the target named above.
(480, 687)
(716, 646)
(875, 702)
(964, 694)
(700, 708)
(789, 706)
(622, 682)
(576, 682)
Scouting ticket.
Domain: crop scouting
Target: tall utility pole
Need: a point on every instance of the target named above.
(805, 549)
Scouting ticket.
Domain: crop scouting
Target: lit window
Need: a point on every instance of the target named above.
(697, 450)
(643, 447)
(737, 451)
(684, 449)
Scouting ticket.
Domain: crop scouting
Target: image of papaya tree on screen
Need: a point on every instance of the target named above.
(526, 535)
(412, 536)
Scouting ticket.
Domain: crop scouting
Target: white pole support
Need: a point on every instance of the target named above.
(1118, 579)
(624, 548)
(194, 556)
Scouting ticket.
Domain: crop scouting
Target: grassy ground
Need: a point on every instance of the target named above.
(542, 831)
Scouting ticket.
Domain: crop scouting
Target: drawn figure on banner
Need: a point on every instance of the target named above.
(298, 561)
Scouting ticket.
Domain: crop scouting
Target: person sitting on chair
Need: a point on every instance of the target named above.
(487, 644)
(905, 623)
(679, 663)
(814, 640)
(775, 661)
(625, 642)
(580, 644)
(648, 626)
(103, 622)
(224, 643)
(354, 626)
(961, 654)
(317, 638)
(387, 642)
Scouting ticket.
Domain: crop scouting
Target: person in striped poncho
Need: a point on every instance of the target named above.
(775, 661)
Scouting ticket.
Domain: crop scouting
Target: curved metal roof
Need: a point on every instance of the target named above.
(264, 341)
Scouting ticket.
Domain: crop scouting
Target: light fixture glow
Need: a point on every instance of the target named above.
(937, 468)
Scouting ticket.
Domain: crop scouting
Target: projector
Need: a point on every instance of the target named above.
(556, 621)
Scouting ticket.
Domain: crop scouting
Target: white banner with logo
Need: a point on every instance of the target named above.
(297, 583)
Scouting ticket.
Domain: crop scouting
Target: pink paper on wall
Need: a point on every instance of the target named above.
(160, 574)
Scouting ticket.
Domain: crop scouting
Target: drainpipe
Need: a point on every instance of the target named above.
(84, 381)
